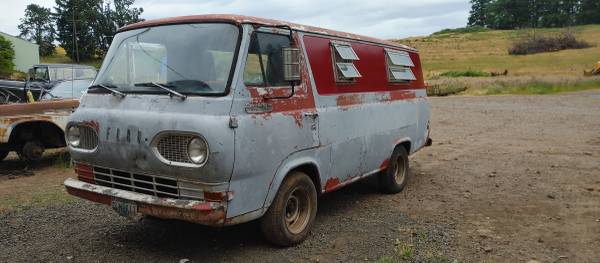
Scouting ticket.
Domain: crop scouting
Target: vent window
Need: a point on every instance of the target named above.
(399, 66)
(343, 60)
(345, 51)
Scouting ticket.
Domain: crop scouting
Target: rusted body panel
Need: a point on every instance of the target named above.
(54, 112)
(241, 19)
(340, 132)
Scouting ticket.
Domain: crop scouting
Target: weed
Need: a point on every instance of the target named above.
(462, 30)
(533, 44)
(465, 73)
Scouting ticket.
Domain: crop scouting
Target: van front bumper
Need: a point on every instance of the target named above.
(201, 212)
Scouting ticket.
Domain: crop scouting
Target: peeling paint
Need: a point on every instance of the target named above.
(384, 165)
(345, 101)
(94, 124)
(332, 184)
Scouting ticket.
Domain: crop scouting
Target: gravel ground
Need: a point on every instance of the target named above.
(509, 179)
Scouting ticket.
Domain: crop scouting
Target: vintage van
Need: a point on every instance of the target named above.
(223, 119)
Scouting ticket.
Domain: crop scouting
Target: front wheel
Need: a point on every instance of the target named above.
(291, 215)
(394, 178)
(31, 151)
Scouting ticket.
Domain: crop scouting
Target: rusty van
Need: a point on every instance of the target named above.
(224, 119)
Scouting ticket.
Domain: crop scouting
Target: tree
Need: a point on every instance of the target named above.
(508, 14)
(76, 26)
(7, 55)
(478, 14)
(115, 16)
(37, 26)
(589, 11)
(85, 27)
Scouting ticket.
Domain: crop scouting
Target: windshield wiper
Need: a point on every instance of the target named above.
(112, 91)
(164, 87)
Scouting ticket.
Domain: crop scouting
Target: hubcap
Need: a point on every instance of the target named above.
(400, 171)
(297, 211)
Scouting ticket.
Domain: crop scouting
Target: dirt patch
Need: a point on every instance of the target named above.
(509, 179)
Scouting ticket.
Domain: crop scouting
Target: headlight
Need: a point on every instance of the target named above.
(73, 136)
(198, 150)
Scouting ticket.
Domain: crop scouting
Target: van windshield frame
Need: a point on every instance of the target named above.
(169, 74)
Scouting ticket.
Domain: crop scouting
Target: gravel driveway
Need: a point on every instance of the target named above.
(509, 179)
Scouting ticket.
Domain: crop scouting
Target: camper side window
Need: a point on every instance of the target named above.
(343, 57)
(399, 65)
(265, 60)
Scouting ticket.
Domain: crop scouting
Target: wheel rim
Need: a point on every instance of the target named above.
(297, 211)
(400, 171)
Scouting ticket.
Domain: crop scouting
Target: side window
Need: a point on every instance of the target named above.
(343, 57)
(399, 65)
(265, 52)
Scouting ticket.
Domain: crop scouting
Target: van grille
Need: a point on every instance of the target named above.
(88, 138)
(174, 147)
(145, 184)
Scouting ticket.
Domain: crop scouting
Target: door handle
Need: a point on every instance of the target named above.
(310, 114)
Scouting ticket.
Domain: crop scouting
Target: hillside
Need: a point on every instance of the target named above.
(488, 51)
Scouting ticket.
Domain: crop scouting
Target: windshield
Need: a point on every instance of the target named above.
(187, 58)
(70, 89)
(66, 73)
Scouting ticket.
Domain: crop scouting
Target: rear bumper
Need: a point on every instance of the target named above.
(201, 212)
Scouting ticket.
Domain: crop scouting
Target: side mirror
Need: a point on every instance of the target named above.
(291, 64)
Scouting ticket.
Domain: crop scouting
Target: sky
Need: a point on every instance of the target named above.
(386, 19)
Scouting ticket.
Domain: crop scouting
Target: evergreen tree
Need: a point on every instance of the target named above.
(589, 12)
(478, 14)
(37, 25)
(115, 16)
(77, 27)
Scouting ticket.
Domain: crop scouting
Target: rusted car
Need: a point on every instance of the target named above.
(224, 119)
(43, 78)
(30, 128)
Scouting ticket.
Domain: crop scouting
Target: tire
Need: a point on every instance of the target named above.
(31, 151)
(396, 175)
(292, 213)
(3, 154)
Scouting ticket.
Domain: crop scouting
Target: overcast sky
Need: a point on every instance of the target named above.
(378, 18)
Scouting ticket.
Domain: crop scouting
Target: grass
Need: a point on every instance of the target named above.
(465, 73)
(487, 51)
(60, 57)
(38, 185)
(534, 88)
(522, 85)
(462, 30)
(458, 62)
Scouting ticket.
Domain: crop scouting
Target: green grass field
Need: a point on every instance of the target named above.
(446, 56)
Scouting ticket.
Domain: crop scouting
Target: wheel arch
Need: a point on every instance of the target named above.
(50, 133)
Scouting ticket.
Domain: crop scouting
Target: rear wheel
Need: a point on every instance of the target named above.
(31, 151)
(291, 215)
(395, 177)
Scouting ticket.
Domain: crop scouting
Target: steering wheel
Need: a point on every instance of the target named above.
(5, 96)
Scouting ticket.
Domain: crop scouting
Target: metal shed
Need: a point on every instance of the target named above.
(26, 53)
